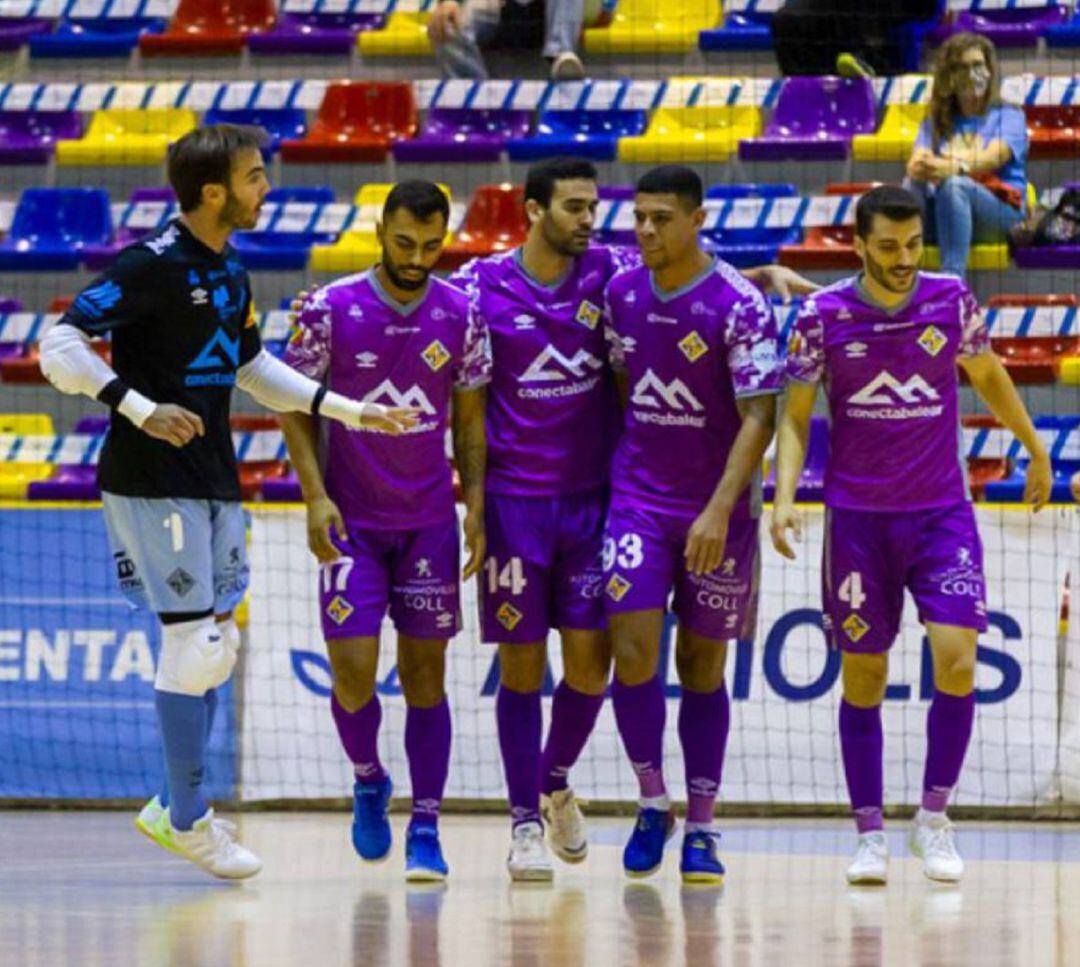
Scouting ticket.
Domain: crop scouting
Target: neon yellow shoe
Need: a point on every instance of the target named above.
(848, 65)
(148, 818)
(209, 844)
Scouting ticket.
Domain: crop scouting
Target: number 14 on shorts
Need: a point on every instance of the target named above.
(510, 577)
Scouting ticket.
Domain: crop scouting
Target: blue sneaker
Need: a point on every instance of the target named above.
(424, 861)
(371, 822)
(700, 862)
(645, 851)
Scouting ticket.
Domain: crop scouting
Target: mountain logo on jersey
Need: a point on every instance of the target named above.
(932, 339)
(389, 395)
(222, 353)
(587, 314)
(552, 366)
(436, 355)
(99, 299)
(681, 405)
(886, 398)
(693, 346)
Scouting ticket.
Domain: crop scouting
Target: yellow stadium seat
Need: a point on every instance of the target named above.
(981, 258)
(127, 137)
(1070, 370)
(353, 252)
(692, 134)
(405, 35)
(15, 478)
(895, 139)
(653, 26)
(375, 194)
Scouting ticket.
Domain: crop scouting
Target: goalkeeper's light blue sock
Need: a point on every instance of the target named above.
(182, 720)
(211, 699)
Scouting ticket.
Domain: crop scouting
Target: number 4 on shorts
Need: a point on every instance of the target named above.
(511, 577)
(851, 591)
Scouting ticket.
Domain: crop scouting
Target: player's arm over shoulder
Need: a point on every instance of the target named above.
(121, 296)
(750, 336)
(804, 361)
(308, 347)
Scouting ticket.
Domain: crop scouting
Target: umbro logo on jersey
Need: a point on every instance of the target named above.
(366, 360)
(435, 355)
(886, 390)
(389, 395)
(653, 392)
(199, 297)
(524, 322)
(932, 340)
(552, 366)
(630, 298)
(855, 350)
(355, 312)
(222, 353)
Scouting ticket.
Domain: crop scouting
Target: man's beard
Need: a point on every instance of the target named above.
(232, 212)
(408, 285)
(885, 279)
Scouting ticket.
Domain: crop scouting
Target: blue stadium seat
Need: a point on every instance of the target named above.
(584, 134)
(756, 244)
(277, 247)
(1064, 34)
(1063, 435)
(51, 226)
(740, 31)
(279, 123)
(97, 37)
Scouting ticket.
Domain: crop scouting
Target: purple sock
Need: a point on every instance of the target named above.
(640, 712)
(704, 718)
(861, 742)
(359, 732)
(427, 747)
(520, 722)
(573, 716)
(948, 731)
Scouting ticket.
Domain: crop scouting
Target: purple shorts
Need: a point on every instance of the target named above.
(870, 557)
(543, 566)
(644, 561)
(414, 573)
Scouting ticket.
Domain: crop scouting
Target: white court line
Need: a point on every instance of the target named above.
(94, 601)
(45, 703)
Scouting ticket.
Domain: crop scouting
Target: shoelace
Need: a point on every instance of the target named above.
(941, 840)
(564, 817)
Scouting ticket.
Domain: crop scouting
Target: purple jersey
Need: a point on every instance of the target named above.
(352, 336)
(890, 378)
(551, 409)
(688, 355)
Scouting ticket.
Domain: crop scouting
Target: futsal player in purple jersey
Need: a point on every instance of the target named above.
(381, 519)
(885, 345)
(695, 344)
(552, 418)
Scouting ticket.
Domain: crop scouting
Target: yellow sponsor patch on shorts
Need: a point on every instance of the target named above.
(855, 627)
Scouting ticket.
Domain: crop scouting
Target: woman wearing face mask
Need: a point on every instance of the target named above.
(970, 154)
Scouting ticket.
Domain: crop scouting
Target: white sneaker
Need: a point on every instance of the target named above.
(870, 865)
(567, 67)
(528, 859)
(935, 844)
(566, 825)
(209, 844)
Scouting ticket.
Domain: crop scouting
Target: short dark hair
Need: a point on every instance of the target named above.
(205, 156)
(422, 199)
(540, 178)
(895, 203)
(678, 180)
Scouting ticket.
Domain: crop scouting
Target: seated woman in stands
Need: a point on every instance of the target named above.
(970, 156)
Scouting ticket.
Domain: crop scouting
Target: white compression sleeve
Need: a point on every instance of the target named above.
(68, 362)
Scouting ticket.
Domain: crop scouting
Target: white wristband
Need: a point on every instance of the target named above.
(136, 407)
(341, 408)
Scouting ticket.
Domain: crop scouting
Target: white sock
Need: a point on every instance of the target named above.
(699, 827)
(663, 803)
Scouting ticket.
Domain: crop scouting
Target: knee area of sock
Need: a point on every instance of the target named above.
(194, 658)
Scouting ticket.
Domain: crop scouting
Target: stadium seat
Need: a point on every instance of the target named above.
(25, 368)
(1011, 27)
(895, 138)
(52, 225)
(30, 137)
(282, 490)
(990, 451)
(127, 137)
(755, 244)
(1065, 34)
(1070, 371)
(826, 246)
(16, 32)
(94, 37)
(260, 452)
(279, 123)
(691, 135)
(404, 35)
(356, 122)
(1034, 335)
(584, 134)
(1062, 436)
(1047, 256)
(15, 478)
(741, 30)
(981, 258)
(653, 27)
(494, 222)
(1053, 131)
(814, 120)
(282, 245)
(208, 27)
(463, 135)
(147, 208)
(314, 33)
(68, 481)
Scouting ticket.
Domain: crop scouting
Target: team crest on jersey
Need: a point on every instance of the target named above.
(338, 610)
(587, 314)
(508, 616)
(932, 340)
(693, 346)
(617, 587)
(436, 356)
(855, 627)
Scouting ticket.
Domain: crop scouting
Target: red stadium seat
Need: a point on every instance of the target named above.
(1053, 131)
(61, 303)
(27, 368)
(1034, 359)
(206, 27)
(253, 473)
(356, 122)
(495, 222)
(984, 470)
(827, 247)
(1019, 299)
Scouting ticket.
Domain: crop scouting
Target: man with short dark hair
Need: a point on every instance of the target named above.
(886, 344)
(381, 513)
(694, 344)
(179, 307)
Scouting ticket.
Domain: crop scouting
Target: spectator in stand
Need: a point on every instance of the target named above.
(461, 29)
(969, 162)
